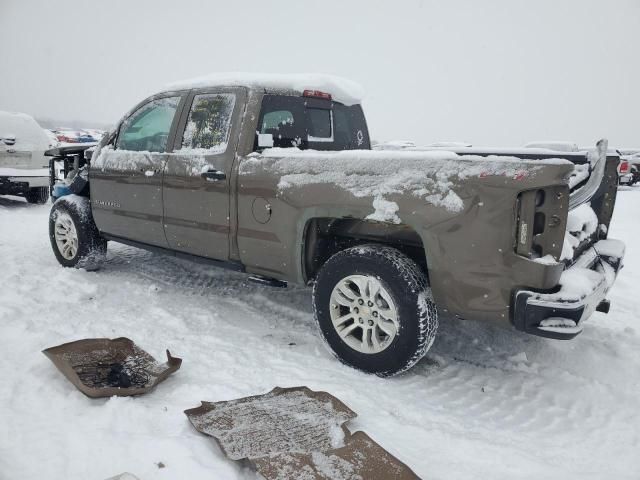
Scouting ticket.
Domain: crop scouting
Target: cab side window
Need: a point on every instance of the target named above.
(314, 123)
(209, 123)
(147, 129)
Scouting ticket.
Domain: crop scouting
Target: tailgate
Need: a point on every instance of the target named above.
(12, 158)
(591, 205)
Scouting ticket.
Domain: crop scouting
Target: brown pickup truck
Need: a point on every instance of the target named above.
(275, 176)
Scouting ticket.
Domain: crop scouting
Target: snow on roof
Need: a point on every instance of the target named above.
(557, 145)
(22, 128)
(341, 89)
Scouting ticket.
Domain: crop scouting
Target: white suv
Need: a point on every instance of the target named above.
(24, 169)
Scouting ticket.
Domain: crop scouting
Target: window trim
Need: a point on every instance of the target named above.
(181, 94)
(236, 119)
(182, 127)
(311, 138)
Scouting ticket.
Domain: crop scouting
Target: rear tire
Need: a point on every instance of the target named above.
(37, 195)
(374, 309)
(75, 239)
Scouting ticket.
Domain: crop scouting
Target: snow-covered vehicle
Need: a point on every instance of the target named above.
(555, 145)
(274, 176)
(23, 167)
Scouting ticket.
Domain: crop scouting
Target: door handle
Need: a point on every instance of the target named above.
(213, 175)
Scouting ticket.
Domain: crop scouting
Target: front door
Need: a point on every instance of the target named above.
(126, 178)
(198, 172)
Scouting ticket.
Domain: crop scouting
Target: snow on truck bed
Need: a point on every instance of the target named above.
(342, 90)
(430, 175)
(485, 403)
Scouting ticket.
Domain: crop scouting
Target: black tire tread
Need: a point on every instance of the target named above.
(92, 247)
(416, 286)
(37, 195)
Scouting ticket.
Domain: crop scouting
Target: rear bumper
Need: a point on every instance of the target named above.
(14, 185)
(10, 187)
(581, 291)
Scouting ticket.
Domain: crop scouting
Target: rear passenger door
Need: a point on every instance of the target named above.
(196, 185)
(126, 179)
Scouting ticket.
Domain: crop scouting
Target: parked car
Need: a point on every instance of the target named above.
(23, 167)
(274, 176)
(53, 139)
(625, 176)
(75, 136)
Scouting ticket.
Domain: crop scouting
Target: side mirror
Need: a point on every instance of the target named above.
(88, 153)
(9, 139)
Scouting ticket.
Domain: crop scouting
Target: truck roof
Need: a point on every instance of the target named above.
(342, 90)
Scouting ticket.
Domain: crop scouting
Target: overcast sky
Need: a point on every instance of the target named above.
(488, 72)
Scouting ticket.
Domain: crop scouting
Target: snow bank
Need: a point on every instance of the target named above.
(341, 89)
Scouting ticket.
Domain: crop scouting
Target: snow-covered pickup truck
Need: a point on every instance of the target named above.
(274, 176)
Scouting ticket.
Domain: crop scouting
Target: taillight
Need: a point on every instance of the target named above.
(541, 219)
(316, 94)
(624, 166)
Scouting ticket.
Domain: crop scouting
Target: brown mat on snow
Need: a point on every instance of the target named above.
(101, 367)
(296, 434)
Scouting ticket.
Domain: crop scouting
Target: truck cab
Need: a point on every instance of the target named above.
(167, 175)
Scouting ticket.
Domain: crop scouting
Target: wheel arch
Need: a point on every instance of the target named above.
(323, 237)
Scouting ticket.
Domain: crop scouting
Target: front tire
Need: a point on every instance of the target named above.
(374, 309)
(75, 239)
(37, 195)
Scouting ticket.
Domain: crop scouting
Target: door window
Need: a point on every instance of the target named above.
(148, 128)
(209, 123)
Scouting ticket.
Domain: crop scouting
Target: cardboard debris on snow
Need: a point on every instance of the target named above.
(295, 433)
(103, 367)
(361, 458)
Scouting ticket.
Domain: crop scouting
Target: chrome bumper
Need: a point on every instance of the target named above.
(582, 290)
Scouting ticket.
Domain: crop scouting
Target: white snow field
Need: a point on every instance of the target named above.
(485, 403)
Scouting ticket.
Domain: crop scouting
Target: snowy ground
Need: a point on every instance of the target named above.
(485, 402)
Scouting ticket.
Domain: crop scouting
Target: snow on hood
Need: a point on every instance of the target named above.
(342, 90)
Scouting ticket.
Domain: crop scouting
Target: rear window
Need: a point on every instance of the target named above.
(312, 123)
(320, 125)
